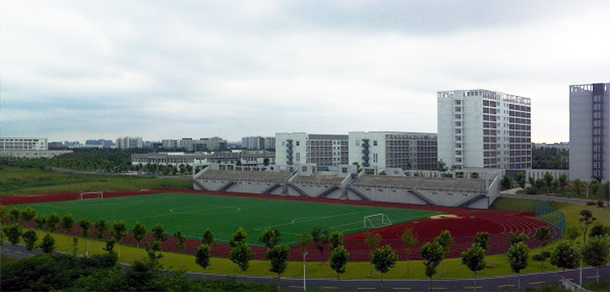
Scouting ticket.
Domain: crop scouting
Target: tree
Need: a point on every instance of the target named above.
(442, 166)
(433, 253)
(409, 240)
(599, 230)
(41, 221)
(338, 260)
(506, 183)
(482, 239)
(100, 228)
(335, 239)
(269, 237)
(30, 237)
(543, 234)
(565, 255)
(119, 228)
(384, 258)
(14, 215)
(278, 258)
(202, 257)
(208, 238)
(596, 252)
(474, 259)
(85, 226)
(521, 179)
(518, 255)
(320, 239)
(48, 244)
(445, 240)
(548, 181)
(67, 222)
(159, 233)
(573, 232)
(266, 161)
(28, 214)
(515, 238)
(241, 254)
(372, 240)
(53, 221)
(138, 231)
(12, 232)
(586, 218)
(304, 240)
(181, 240)
(238, 237)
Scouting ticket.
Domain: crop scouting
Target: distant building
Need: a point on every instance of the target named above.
(27, 148)
(380, 150)
(558, 146)
(484, 129)
(235, 157)
(589, 131)
(100, 143)
(293, 149)
(192, 145)
(129, 142)
(269, 142)
(253, 142)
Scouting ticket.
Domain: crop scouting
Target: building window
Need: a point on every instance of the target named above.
(375, 143)
(298, 143)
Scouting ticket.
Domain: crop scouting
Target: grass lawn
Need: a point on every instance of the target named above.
(193, 213)
(28, 181)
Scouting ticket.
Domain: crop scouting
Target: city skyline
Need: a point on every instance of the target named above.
(74, 71)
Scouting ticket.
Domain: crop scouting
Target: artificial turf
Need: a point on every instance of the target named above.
(193, 213)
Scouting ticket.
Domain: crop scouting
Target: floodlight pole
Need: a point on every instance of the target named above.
(304, 283)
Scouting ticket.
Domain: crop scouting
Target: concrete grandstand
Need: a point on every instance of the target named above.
(346, 184)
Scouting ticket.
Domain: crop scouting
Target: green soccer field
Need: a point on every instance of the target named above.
(193, 213)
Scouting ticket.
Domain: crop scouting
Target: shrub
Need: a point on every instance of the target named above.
(600, 204)
(591, 203)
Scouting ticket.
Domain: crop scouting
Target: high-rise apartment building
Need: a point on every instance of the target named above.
(381, 150)
(253, 142)
(129, 142)
(302, 148)
(589, 131)
(484, 129)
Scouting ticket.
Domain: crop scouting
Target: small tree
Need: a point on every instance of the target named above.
(409, 240)
(338, 260)
(12, 232)
(304, 240)
(119, 228)
(238, 237)
(100, 228)
(202, 257)
(572, 233)
(586, 218)
(14, 215)
(138, 231)
(28, 214)
(180, 240)
(596, 252)
(433, 253)
(48, 244)
(482, 239)
(474, 259)
(208, 238)
(30, 237)
(518, 255)
(521, 179)
(372, 240)
(506, 183)
(544, 235)
(110, 246)
(384, 258)
(278, 258)
(445, 240)
(159, 233)
(515, 238)
(599, 230)
(565, 255)
(53, 221)
(241, 254)
(41, 221)
(269, 237)
(320, 239)
(67, 222)
(335, 239)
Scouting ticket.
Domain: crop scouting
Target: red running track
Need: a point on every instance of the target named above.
(499, 224)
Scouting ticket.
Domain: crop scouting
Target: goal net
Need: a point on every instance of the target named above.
(90, 195)
(376, 220)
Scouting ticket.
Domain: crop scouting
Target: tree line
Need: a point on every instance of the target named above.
(567, 254)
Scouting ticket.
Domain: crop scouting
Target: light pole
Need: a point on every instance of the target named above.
(304, 284)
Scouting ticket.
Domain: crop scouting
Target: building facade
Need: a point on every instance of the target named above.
(381, 150)
(129, 142)
(484, 129)
(28, 148)
(194, 145)
(269, 142)
(294, 149)
(589, 131)
(253, 142)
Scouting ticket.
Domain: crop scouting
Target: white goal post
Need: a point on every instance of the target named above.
(376, 220)
(90, 195)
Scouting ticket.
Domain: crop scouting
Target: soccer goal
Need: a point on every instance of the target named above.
(376, 220)
(90, 195)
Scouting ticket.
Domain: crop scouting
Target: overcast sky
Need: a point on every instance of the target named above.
(76, 70)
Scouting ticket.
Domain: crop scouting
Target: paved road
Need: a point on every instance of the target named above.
(483, 284)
